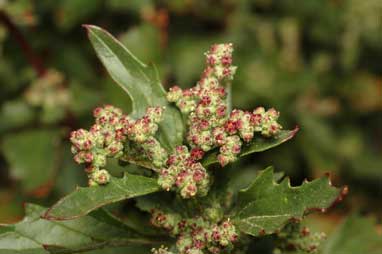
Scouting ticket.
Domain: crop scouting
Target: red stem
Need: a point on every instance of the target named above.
(33, 59)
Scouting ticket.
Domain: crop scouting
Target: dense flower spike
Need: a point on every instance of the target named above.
(154, 152)
(266, 121)
(229, 150)
(219, 60)
(145, 127)
(210, 125)
(183, 173)
(197, 234)
(108, 136)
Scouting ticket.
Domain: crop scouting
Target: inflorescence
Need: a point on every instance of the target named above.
(210, 126)
(184, 172)
(108, 137)
(195, 235)
(205, 106)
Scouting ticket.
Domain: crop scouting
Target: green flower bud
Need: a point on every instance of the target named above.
(101, 177)
(214, 214)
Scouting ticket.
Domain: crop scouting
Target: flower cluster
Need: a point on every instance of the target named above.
(185, 173)
(196, 235)
(108, 136)
(243, 125)
(50, 94)
(295, 237)
(205, 105)
(161, 250)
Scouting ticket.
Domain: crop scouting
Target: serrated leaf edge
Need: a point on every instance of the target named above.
(341, 195)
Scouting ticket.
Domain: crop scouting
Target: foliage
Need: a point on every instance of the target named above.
(119, 136)
(321, 68)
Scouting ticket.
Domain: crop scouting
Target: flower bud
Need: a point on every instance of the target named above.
(101, 177)
(174, 94)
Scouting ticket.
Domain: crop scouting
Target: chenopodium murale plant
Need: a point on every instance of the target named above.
(211, 126)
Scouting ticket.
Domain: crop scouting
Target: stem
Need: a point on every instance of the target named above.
(229, 96)
(27, 50)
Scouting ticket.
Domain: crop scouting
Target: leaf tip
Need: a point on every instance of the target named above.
(294, 131)
(88, 26)
(343, 193)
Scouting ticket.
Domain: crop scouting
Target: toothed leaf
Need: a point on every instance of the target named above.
(266, 206)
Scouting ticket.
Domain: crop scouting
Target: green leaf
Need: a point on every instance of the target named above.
(242, 178)
(258, 144)
(355, 235)
(265, 206)
(34, 235)
(86, 199)
(141, 82)
(32, 156)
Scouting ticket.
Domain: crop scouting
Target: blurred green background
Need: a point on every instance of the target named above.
(318, 62)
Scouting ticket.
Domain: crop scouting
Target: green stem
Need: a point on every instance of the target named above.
(229, 97)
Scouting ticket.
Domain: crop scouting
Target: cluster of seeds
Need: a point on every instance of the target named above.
(185, 173)
(196, 235)
(205, 106)
(108, 136)
(295, 237)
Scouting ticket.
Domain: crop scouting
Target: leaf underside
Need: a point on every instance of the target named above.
(141, 82)
(265, 206)
(34, 235)
(258, 144)
(84, 200)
